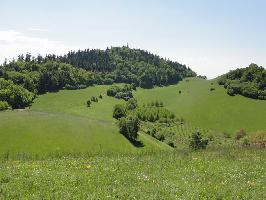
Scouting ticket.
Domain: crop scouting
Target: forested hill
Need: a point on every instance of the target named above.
(129, 65)
(22, 79)
(249, 82)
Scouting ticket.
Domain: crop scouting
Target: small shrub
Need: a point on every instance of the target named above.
(212, 89)
(171, 143)
(197, 142)
(226, 135)
(180, 91)
(100, 96)
(159, 136)
(257, 139)
(245, 142)
(131, 104)
(88, 103)
(240, 134)
(94, 99)
(119, 111)
(3, 105)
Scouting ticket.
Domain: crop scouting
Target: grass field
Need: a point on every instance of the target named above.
(61, 122)
(222, 174)
(209, 109)
(60, 149)
(47, 134)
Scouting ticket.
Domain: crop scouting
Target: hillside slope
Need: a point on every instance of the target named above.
(209, 109)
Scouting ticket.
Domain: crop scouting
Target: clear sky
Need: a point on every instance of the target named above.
(210, 36)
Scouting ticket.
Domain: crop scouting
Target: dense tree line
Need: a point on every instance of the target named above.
(126, 65)
(36, 75)
(23, 80)
(249, 82)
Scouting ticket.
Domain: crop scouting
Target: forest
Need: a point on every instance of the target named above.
(28, 76)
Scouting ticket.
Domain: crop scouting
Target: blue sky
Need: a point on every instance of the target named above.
(210, 36)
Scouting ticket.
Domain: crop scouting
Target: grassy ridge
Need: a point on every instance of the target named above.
(209, 109)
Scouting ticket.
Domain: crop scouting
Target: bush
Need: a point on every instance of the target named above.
(132, 104)
(3, 105)
(100, 96)
(129, 127)
(212, 89)
(257, 139)
(240, 134)
(88, 103)
(197, 142)
(121, 92)
(119, 111)
(16, 96)
(94, 99)
(159, 136)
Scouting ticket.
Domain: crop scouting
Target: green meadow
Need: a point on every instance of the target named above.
(61, 122)
(61, 149)
(222, 174)
(213, 110)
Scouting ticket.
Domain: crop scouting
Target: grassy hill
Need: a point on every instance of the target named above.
(61, 122)
(26, 133)
(105, 162)
(209, 109)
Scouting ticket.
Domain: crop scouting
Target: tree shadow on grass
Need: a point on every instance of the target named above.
(137, 143)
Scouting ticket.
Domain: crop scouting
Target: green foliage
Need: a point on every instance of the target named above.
(249, 82)
(129, 127)
(197, 142)
(121, 92)
(94, 99)
(154, 112)
(240, 134)
(256, 139)
(3, 105)
(125, 65)
(15, 95)
(119, 111)
(78, 70)
(131, 104)
(88, 103)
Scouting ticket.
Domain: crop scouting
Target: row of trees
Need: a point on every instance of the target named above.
(249, 82)
(123, 65)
